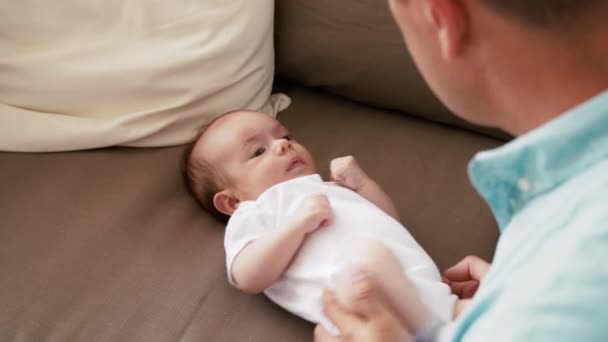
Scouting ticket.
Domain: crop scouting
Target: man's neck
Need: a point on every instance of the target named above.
(539, 107)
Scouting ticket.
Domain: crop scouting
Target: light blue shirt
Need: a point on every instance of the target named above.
(548, 190)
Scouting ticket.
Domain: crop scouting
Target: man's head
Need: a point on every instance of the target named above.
(492, 60)
(239, 156)
(555, 15)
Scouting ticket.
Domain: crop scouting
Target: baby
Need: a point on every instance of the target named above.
(291, 235)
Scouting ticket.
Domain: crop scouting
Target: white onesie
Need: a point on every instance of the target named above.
(327, 250)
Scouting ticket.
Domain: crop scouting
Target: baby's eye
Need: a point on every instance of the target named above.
(258, 152)
(286, 137)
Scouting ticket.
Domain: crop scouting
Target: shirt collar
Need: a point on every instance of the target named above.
(512, 175)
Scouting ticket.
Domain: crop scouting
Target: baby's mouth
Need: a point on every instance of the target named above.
(294, 163)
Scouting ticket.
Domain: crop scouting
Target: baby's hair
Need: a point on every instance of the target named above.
(203, 179)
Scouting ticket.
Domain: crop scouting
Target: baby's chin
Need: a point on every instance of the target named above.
(297, 174)
(305, 171)
(287, 177)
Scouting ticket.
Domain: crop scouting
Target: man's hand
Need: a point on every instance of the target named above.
(464, 277)
(346, 172)
(369, 318)
(314, 212)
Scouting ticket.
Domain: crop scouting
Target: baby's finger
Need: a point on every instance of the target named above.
(325, 223)
(322, 335)
(469, 268)
(337, 176)
(464, 289)
(336, 164)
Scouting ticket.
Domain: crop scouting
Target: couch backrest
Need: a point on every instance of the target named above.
(354, 49)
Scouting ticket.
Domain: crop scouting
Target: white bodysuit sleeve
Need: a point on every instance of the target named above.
(245, 225)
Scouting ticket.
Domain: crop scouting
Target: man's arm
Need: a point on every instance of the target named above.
(261, 263)
(374, 319)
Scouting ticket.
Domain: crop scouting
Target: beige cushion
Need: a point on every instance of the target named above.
(86, 74)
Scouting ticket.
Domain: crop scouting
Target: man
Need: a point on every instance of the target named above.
(539, 70)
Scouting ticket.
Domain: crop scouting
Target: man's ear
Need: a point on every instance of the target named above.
(450, 19)
(226, 202)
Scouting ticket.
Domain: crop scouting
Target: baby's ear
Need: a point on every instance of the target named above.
(225, 202)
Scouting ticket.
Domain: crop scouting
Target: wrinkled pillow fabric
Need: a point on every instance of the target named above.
(88, 74)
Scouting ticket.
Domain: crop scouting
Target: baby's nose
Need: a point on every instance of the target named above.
(282, 145)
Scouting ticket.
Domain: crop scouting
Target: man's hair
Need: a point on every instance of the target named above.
(552, 14)
(203, 179)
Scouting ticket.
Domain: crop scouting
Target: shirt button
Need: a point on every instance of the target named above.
(524, 184)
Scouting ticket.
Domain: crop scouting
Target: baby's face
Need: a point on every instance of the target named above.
(254, 152)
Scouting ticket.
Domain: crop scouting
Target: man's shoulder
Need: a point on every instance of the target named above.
(579, 204)
(548, 279)
(591, 185)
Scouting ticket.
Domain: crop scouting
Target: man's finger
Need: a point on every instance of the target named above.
(469, 268)
(367, 299)
(465, 289)
(340, 317)
(322, 335)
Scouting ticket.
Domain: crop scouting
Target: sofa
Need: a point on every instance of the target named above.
(108, 245)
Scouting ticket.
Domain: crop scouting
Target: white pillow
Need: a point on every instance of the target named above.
(85, 74)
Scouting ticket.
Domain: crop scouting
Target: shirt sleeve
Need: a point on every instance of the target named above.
(246, 225)
(564, 297)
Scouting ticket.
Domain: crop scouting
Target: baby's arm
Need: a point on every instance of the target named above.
(372, 191)
(262, 262)
(347, 172)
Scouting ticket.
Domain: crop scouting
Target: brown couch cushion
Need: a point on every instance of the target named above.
(107, 245)
(354, 49)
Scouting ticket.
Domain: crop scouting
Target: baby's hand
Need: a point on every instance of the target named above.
(315, 212)
(346, 172)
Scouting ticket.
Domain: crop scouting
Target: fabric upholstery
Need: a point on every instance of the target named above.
(354, 49)
(107, 244)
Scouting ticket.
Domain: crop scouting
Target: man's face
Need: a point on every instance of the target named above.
(254, 152)
(457, 81)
